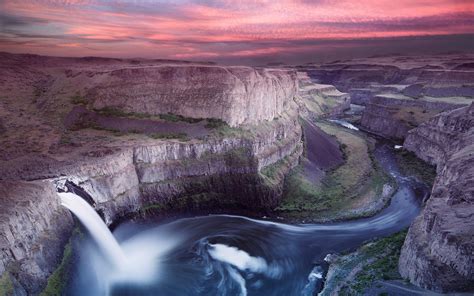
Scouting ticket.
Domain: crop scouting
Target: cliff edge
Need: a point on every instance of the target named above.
(438, 253)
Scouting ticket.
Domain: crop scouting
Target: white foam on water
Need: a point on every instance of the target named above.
(345, 124)
(238, 258)
(239, 280)
(315, 275)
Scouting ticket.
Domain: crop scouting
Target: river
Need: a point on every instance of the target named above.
(235, 255)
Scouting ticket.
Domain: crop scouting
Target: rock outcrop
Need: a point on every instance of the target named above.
(235, 95)
(438, 253)
(34, 228)
(321, 99)
(392, 117)
(400, 92)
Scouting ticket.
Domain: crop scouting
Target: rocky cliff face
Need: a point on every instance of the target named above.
(34, 228)
(320, 99)
(125, 171)
(400, 92)
(392, 117)
(438, 253)
(236, 95)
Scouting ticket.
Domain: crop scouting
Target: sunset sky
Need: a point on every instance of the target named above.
(232, 32)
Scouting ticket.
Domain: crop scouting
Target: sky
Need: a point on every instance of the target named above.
(236, 32)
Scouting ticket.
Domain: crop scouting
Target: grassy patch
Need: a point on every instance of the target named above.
(6, 285)
(239, 157)
(274, 173)
(57, 281)
(353, 273)
(411, 165)
(213, 123)
(224, 130)
(414, 116)
(176, 118)
(384, 264)
(342, 188)
(180, 136)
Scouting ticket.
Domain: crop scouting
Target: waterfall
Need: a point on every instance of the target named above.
(94, 224)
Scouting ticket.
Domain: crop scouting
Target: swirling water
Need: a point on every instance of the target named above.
(233, 255)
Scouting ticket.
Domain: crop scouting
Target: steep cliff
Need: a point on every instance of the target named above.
(400, 92)
(439, 250)
(320, 99)
(234, 94)
(103, 124)
(34, 227)
(393, 117)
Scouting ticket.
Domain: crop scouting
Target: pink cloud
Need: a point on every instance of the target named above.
(229, 27)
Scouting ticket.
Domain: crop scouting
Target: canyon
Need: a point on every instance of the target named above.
(438, 251)
(141, 137)
(400, 92)
(60, 140)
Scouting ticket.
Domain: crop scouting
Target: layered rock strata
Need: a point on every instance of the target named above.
(235, 95)
(321, 99)
(34, 228)
(400, 92)
(392, 117)
(438, 253)
(129, 171)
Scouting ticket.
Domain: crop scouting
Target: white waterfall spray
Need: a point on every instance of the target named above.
(97, 228)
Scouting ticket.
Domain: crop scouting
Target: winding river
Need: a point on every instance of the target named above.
(235, 255)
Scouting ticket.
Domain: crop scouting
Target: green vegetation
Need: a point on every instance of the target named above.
(224, 130)
(180, 136)
(355, 272)
(357, 182)
(176, 118)
(77, 99)
(414, 116)
(384, 255)
(238, 157)
(6, 285)
(274, 173)
(186, 202)
(411, 165)
(214, 123)
(57, 281)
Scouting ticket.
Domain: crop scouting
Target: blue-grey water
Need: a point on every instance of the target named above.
(235, 255)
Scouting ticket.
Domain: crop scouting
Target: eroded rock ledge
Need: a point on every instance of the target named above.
(438, 253)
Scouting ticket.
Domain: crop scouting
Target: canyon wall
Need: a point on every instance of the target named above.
(400, 92)
(134, 172)
(391, 117)
(235, 95)
(320, 99)
(34, 229)
(438, 253)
